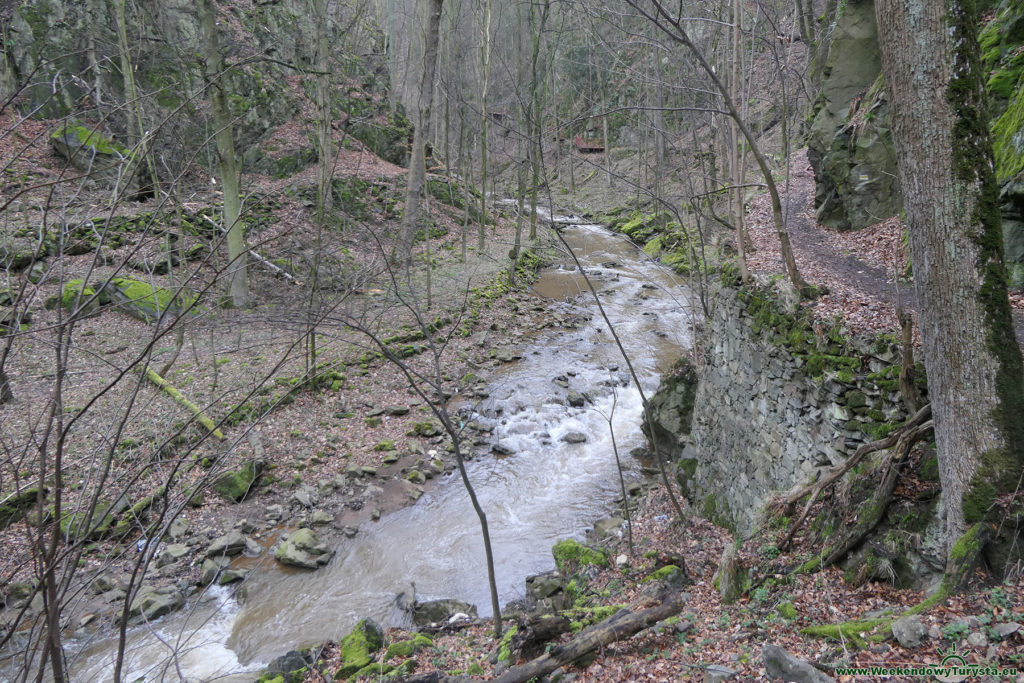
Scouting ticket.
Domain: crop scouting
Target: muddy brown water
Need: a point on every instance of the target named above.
(546, 491)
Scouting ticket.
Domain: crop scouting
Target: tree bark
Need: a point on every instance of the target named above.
(417, 164)
(222, 122)
(944, 157)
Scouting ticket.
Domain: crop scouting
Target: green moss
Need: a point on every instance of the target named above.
(570, 555)
(72, 291)
(237, 484)
(666, 573)
(357, 648)
(85, 526)
(786, 610)
(580, 618)
(852, 631)
(505, 646)
(92, 139)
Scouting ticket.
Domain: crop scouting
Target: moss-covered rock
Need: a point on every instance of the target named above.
(236, 484)
(358, 647)
(144, 301)
(81, 525)
(87, 148)
(15, 505)
(570, 556)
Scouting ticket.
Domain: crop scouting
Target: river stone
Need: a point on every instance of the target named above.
(439, 611)
(101, 584)
(232, 576)
(305, 497)
(503, 448)
(611, 526)
(304, 550)
(780, 664)
(171, 554)
(211, 567)
(292, 660)
(416, 477)
(574, 437)
(909, 631)
(178, 528)
(545, 592)
(230, 544)
(321, 517)
(151, 602)
(575, 399)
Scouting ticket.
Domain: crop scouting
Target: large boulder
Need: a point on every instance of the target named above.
(303, 549)
(670, 411)
(145, 301)
(440, 611)
(236, 484)
(151, 602)
(358, 647)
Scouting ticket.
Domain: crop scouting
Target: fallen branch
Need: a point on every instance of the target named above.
(871, 513)
(790, 499)
(277, 270)
(180, 399)
(620, 625)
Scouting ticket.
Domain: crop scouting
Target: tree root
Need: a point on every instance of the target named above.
(903, 438)
(851, 631)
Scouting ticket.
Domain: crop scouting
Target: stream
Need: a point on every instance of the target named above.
(546, 491)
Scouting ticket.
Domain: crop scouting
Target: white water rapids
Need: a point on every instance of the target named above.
(548, 490)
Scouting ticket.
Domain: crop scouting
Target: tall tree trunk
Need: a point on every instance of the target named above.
(239, 287)
(417, 165)
(674, 28)
(944, 157)
(137, 139)
(485, 77)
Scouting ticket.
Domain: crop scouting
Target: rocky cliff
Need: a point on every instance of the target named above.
(850, 140)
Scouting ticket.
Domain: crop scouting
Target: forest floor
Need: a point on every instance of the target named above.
(361, 426)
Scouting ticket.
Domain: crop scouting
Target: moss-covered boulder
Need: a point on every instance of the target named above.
(236, 484)
(83, 525)
(145, 301)
(15, 505)
(75, 293)
(151, 603)
(358, 647)
(303, 549)
(670, 411)
(571, 556)
(86, 148)
(407, 648)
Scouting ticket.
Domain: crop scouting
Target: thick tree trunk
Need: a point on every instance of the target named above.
(239, 287)
(944, 157)
(417, 165)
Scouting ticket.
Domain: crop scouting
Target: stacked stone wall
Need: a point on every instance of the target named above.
(774, 407)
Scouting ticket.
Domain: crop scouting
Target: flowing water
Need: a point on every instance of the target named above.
(546, 491)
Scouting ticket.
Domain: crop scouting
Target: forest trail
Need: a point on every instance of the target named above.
(862, 269)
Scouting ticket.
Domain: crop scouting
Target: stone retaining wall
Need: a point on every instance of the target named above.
(775, 402)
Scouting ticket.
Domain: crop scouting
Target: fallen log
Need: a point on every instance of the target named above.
(179, 398)
(620, 625)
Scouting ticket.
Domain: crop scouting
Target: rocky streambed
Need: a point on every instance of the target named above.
(543, 428)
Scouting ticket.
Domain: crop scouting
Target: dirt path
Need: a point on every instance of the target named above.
(862, 269)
